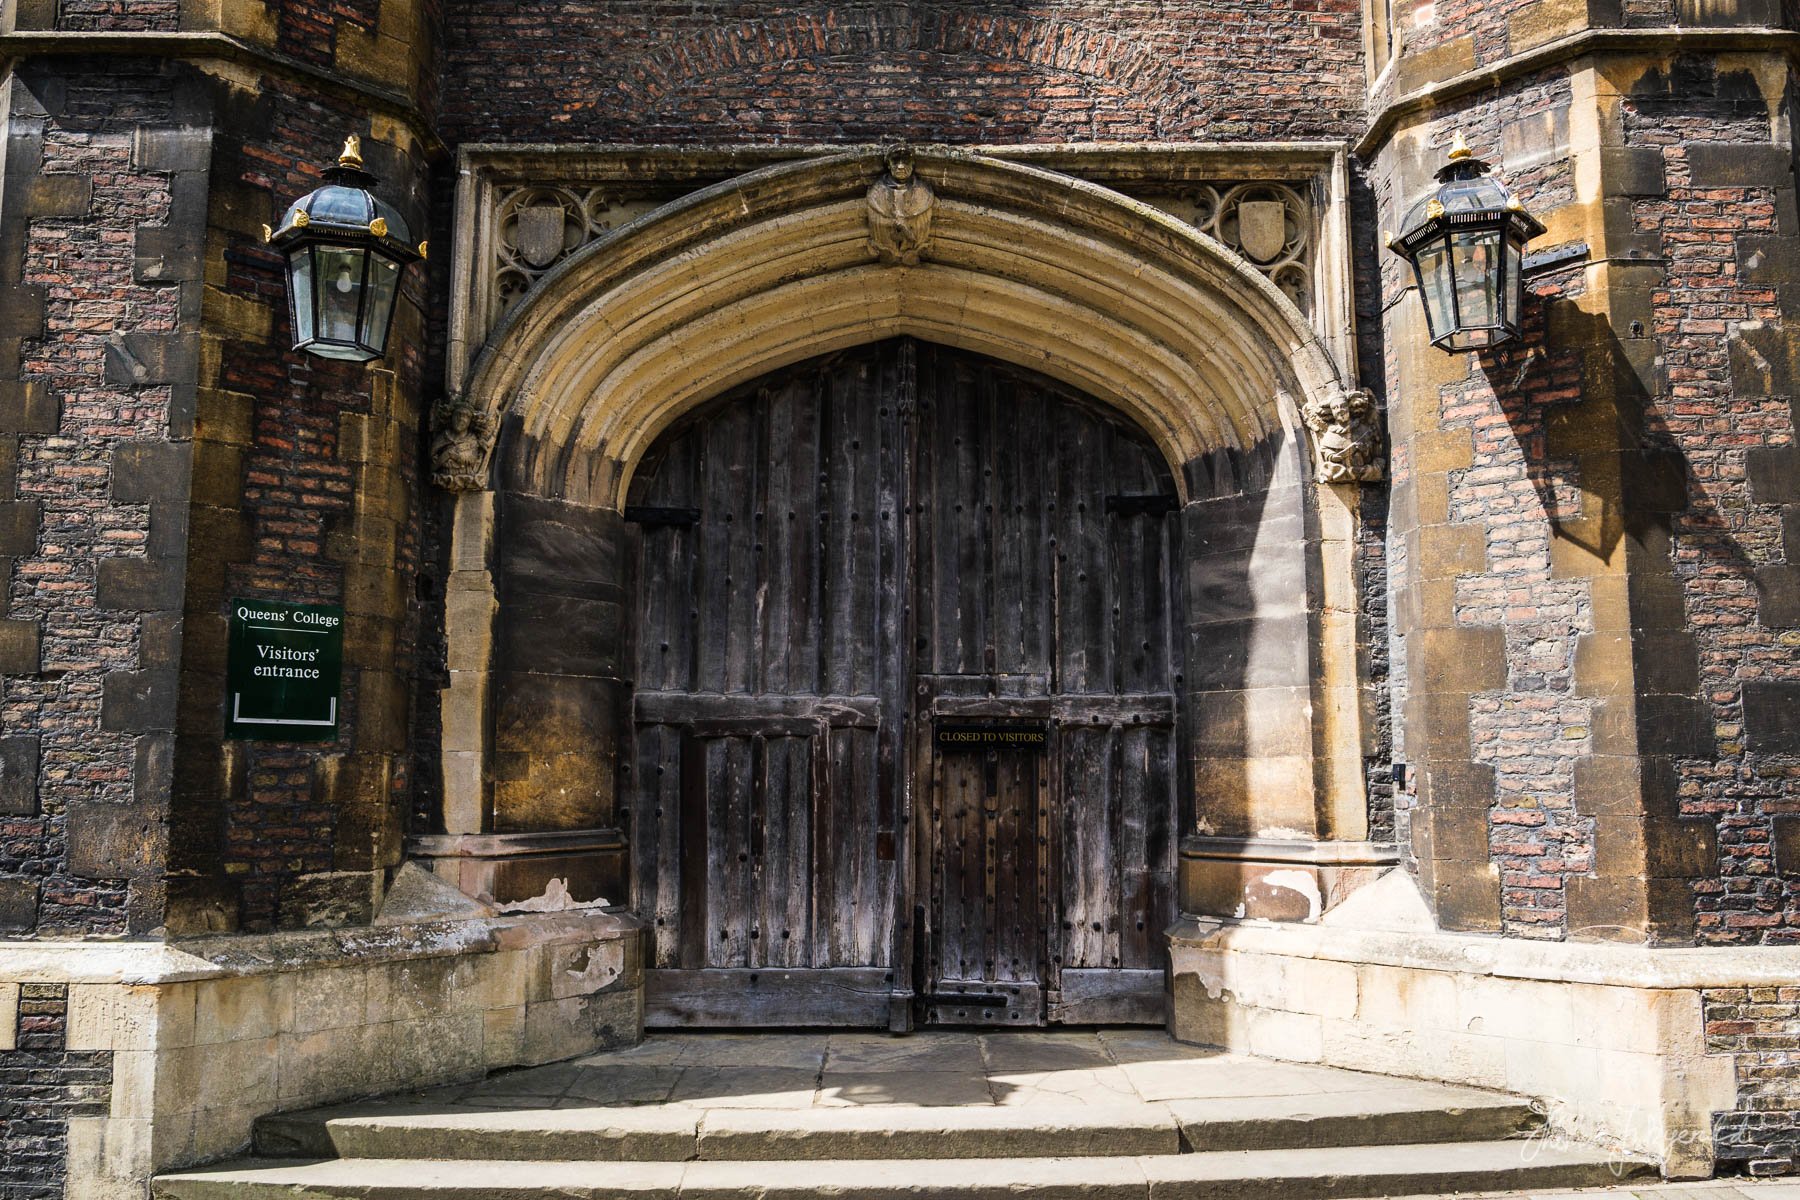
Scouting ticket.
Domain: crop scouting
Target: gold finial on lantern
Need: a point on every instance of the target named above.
(352, 155)
(1459, 149)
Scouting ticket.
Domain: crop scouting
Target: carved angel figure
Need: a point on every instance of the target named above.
(1346, 437)
(460, 449)
(900, 209)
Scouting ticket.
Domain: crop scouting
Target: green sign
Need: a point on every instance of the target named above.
(283, 674)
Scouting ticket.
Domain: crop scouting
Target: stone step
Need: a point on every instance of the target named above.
(675, 1133)
(1308, 1174)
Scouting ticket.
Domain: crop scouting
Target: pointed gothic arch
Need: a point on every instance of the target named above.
(1048, 272)
(1027, 265)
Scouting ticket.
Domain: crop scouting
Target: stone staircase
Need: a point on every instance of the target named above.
(1126, 1115)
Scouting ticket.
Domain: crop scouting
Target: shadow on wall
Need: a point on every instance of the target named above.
(1618, 486)
(1253, 596)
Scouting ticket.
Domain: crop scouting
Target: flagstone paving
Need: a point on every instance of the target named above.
(1009, 1068)
(938, 1115)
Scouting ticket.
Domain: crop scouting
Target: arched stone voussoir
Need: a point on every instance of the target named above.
(1038, 268)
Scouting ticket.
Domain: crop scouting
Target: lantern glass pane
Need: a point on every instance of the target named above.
(340, 206)
(384, 281)
(1513, 285)
(340, 292)
(1475, 256)
(300, 293)
(1433, 267)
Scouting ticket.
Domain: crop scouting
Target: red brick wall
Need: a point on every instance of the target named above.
(1690, 380)
(100, 373)
(119, 16)
(44, 1084)
(150, 472)
(1491, 428)
(1757, 1027)
(658, 70)
(309, 491)
(1719, 317)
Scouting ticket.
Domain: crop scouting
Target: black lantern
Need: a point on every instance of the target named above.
(1466, 242)
(346, 251)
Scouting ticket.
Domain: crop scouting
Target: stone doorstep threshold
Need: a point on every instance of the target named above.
(228, 956)
(1308, 1174)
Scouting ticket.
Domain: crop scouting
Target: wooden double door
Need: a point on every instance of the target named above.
(908, 639)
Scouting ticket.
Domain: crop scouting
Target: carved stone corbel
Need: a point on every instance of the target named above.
(900, 208)
(1347, 441)
(459, 449)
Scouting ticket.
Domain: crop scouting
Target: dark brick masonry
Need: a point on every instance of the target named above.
(662, 71)
(1731, 421)
(42, 1086)
(1760, 1027)
(99, 352)
(306, 484)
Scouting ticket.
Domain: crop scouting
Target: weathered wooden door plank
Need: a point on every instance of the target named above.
(896, 535)
(1021, 554)
(767, 997)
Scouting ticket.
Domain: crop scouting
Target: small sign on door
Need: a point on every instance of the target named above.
(284, 671)
(968, 735)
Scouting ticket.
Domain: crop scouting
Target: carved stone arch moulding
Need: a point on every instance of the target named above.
(786, 262)
(765, 268)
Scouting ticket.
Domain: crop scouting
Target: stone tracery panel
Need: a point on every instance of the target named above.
(537, 226)
(1273, 226)
(527, 223)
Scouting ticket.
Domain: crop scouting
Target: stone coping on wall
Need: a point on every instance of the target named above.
(138, 963)
(1602, 963)
(1397, 101)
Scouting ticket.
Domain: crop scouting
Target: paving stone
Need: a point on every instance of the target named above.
(1105, 1087)
(655, 1051)
(745, 1087)
(1046, 1052)
(752, 1050)
(1236, 1076)
(620, 1085)
(887, 1129)
(406, 1180)
(1376, 1170)
(1039, 1178)
(1143, 1045)
(862, 1052)
(920, 1088)
(660, 1134)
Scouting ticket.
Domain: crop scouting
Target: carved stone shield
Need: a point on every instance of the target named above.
(540, 233)
(1262, 228)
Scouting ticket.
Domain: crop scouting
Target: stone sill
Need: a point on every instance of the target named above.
(1286, 850)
